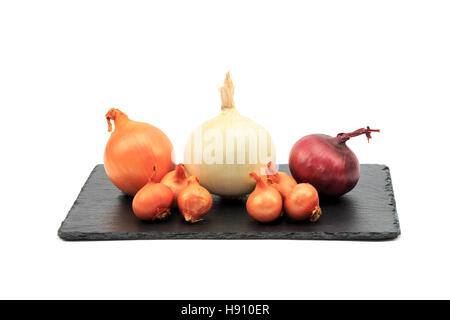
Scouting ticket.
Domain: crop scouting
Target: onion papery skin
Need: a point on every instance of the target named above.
(327, 162)
(265, 203)
(132, 150)
(194, 202)
(152, 202)
(303, 203)
(176, 180)
(226, 178)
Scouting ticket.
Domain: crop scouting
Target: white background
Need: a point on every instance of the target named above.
(298, 67)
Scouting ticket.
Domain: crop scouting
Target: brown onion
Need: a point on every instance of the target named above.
(132, 150)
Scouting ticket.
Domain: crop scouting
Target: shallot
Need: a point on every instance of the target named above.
(194, 201)
(265, 203)
(281, 181)
(152, 202)
(303, 203)
(176, 180)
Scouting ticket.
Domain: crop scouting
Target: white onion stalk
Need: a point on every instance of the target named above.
(224, 150)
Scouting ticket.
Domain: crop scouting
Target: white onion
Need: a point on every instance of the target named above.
(224, 150)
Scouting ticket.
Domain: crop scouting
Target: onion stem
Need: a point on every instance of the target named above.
(117, 116)
(227, 93)
(342, 137)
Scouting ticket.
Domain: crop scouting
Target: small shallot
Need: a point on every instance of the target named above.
(281, 181)
(265, 203)
(303, 203)
(152, 201)
(176, 180)
(194, 201)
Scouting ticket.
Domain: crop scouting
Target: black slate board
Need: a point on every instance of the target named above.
(368, 212)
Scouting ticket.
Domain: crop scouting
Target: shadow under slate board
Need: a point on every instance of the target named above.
(368, 212)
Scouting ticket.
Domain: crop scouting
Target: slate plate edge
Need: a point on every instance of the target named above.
(369, 236)
(60, 230)
(390, 189)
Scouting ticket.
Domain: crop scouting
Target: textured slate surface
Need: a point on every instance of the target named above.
(368, 212)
